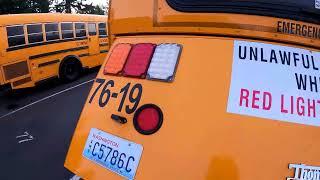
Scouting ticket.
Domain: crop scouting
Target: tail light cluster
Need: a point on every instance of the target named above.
(145, 60)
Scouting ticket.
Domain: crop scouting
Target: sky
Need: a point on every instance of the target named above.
(95, 2)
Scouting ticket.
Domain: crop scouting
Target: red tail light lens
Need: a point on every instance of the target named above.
(139, 59)
(148, 119)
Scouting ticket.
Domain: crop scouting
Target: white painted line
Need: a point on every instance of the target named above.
(21, 136)
(75, 177)
(43, 99)
(26, 140)
(25, 134)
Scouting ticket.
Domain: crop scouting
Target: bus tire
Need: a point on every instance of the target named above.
(70, 69)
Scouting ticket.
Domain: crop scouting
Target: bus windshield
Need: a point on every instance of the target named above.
(306, 10)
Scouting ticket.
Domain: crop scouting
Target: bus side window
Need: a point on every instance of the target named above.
(16, 35)
(102, 29)
(80, 30)
(52, 31)
(35, 33)
(92, 28)
(67, 30)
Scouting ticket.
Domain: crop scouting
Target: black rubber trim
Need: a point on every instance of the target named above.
(135, 119)
(290, 9)
(43, 43)
(48, 63)
(84, 55)
(103, 44)
(57, 52)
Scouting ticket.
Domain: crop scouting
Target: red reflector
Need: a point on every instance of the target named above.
(139, 60)
(148, 119)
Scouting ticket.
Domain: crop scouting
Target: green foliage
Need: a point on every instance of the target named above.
(79, 6)
(24, 6)
(89, 9)
(45, 6)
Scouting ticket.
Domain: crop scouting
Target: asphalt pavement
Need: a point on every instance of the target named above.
(36, 128)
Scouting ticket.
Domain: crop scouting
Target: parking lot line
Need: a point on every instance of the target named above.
(46, 98)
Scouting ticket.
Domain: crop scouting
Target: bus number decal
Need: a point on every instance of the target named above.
(131, 92)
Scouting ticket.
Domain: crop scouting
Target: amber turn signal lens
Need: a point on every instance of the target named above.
(117, 59)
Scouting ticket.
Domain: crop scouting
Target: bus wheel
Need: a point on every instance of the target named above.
(70, 70)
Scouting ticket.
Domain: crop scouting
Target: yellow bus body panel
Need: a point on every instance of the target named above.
(156, 16)
(198, 138)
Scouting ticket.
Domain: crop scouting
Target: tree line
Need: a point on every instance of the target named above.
(45, 6)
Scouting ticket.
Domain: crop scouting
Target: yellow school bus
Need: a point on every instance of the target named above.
(205, 89)
(36, 47)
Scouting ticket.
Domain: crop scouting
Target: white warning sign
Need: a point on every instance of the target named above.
(275, 82)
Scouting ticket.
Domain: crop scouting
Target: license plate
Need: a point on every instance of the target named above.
(116, 154)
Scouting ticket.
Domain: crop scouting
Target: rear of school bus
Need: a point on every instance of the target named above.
(205, 89)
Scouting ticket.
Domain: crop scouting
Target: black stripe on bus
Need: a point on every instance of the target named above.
(48, 63)
(84, 55)
(57, 52)
(104, 51)
(103, 44)
(22, 81)
(43, 43)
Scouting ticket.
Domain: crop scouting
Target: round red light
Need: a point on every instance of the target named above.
(148, 119)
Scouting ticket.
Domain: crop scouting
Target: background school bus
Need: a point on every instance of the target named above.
(36, 47)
